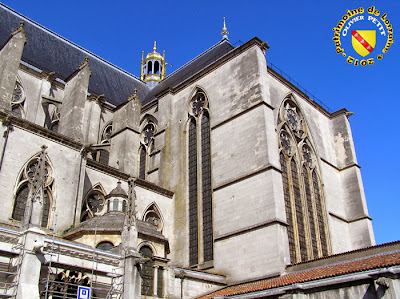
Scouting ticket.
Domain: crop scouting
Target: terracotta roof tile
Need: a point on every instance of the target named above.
(354, 266)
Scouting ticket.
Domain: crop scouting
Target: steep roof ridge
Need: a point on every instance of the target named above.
(199, 56)
(69, 42)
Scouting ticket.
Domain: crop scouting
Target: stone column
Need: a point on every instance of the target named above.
(10, 57)
(125, 139)
(155, 280)
(32, 241)
(73, 108)
(80, 171)
(93, 120)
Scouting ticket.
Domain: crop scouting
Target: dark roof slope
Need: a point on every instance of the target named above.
(191, 68)
(52, 53)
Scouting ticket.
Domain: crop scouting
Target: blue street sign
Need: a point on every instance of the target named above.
(83, 293)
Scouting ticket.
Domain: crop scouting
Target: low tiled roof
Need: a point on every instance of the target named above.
(354, 266)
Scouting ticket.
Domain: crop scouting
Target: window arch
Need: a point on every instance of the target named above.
(105, 245)
(146, 147)
(199, 175)
(23, 187)
(94, 203)
(152, 215)
(304, 202)
(147, 271)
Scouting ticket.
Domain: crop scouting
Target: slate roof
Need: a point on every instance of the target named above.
(50, 52)
(353, 266)
(114, 222)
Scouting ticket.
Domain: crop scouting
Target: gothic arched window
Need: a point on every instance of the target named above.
(147, 271)
(23, 190)
(146, 147)
(93, 204)
(199, 172)
(304, 202)
(18, 100)
(153, 216)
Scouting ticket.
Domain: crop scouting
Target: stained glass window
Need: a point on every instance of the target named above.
(303, 198)
(142, 163)
(193, 230)
(200, 175)
(23, 186)
(206, 188)
(147, 271)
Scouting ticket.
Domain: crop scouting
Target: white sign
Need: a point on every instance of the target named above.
(83, 293)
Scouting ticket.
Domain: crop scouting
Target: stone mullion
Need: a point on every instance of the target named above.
(293, 210)
(155, 280)
(317, 229)
(321, 217)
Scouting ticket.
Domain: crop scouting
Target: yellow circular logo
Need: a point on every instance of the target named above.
(362, 36)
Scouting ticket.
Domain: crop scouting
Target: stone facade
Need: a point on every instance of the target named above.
(183, 182)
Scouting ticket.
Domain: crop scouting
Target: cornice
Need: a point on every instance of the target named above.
(211, 67)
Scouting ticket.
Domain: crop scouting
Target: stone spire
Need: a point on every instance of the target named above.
(225, 32)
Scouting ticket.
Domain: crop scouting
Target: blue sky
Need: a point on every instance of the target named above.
(299, 34)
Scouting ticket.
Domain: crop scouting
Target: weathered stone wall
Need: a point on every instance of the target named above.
(21, 147)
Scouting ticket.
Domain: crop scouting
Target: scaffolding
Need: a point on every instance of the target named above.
(62, 281)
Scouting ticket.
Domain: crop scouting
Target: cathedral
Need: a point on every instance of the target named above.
(221, 179)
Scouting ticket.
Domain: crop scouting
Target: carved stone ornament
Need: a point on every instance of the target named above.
(294, 120)
(18, 94)
(198, 104)
(308, 156)
(148, 133)
(107, 132)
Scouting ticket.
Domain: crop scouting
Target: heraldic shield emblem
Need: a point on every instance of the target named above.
(363, 41)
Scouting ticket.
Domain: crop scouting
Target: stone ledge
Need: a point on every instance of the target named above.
(250, 228)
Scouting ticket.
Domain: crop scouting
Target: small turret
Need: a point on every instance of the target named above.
(153, 67)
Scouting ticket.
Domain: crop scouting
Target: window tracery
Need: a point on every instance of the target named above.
(199, 174)
(18, 100)
(93, 204)
(107, 133)
(22, 190)
(304, 202)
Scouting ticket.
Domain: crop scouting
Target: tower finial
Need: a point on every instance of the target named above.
(154, 48)
(225, 32)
